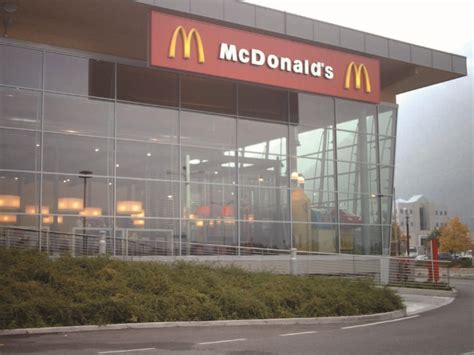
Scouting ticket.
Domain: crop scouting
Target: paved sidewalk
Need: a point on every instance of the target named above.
(420, 303)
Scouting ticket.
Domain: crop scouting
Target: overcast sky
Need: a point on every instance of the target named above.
(442, 25)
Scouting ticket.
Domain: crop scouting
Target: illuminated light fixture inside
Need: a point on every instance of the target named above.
(70, 204)
(129, 207)
(200, 223)
(216, 172)
(271, 168)
(194, 161)
(9, 201)
(170, 197)
(33, 209)
(91, 212)
(251, 217)
(148, 154)
(48, 220)
(138, 215)
(246, 165)
(260, 179)
(59, 219)
(139, 222)
(229, 221)
(300, 180)
(294, 175)
(97, 150)
(7, 218)
(192, 216)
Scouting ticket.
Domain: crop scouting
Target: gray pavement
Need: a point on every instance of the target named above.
(444, 330)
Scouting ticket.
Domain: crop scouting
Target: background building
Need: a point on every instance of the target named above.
(423, 217)
(99, 138)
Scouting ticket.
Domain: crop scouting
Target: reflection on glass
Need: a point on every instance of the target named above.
(361, 239)
(64, 194)
(78, 115)
(387, 120)
(386, 147)
(20, 108)
(70, 154)
(386, 183)
(147, 160)
(17, 191)
(358, 209)
(20, 67)
(264, 235)
(318, 174)
(352, 146)
(207, 130)
(208, 165)
(262, 137)
(205, 201)
(263, 169)
(158, 198)
(355, 116)
(264, 203)
(203, 232)
(19, 150)
(315, 111)
(315, 237)
(357, 178)
(313, 206)
(147, 123)
(312, 142)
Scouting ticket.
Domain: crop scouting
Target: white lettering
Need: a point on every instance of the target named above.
(328, 72)
(285, 64)
(298, 66)
(316, 69)
(244, 56)
(258, 57)
(272, 61)
(228, 52)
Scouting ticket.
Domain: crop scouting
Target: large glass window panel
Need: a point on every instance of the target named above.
(263, 169)
(206, 94)
(78, 115)
(154, 198)
(316, 174)
(146, 237)
(264, 235)
(64, 194)
(76, 235)
(386, 180)
(362, 240)
(19, 150)
(217, 232)
(312, 206)
(312, 142)
(206, 201)
(262, 137)
(355, 147)
(147, 160)
(150, 86)
(262, 102)
(208, 165)
(208, 130)
(20, 108)
(358, 208)
(19, 230)
(386, 230)
(71, 154)
(386, 204)
(315, 111)
(76, 75)
(357, 178)
(260, 203)
(19, 193)
(147, 123)
(386, 147)
(387, 119)
(355, 116)
(21, 67)
(315, 237)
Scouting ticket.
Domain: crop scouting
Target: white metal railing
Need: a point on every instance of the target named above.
(397, 271)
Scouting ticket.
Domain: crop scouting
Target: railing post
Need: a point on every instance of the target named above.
(293, 262)
(102, 243)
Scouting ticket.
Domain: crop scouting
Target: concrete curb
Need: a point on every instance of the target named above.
(155, 325)
(425, 292)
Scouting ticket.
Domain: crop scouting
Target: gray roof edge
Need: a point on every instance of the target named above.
(440, 60)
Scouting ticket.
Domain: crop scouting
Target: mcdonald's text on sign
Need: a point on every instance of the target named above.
(195, 46)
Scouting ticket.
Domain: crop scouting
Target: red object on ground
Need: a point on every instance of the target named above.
(433, 268)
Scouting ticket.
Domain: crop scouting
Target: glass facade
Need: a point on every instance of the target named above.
(88, 145)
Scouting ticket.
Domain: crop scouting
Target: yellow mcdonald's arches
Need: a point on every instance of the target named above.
(357, 69)
(187, 37)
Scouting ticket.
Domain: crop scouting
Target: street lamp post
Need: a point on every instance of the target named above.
(408, 231)
(84, 174)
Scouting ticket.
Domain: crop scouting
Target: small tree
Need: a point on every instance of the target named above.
(454, 236)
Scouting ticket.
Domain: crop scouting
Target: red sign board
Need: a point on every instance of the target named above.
(200, 47)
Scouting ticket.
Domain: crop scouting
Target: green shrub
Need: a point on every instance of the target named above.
(38, 291)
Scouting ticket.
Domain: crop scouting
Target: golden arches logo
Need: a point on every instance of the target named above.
(358, 70)
(186, 38)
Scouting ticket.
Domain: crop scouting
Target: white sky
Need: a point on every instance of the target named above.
(441, 25)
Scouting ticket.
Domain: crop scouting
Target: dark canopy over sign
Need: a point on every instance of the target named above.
(200, 47)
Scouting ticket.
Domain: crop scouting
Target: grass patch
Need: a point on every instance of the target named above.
(427, 285)
(36, 291)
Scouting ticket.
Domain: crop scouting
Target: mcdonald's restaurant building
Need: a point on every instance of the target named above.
(199, 123)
